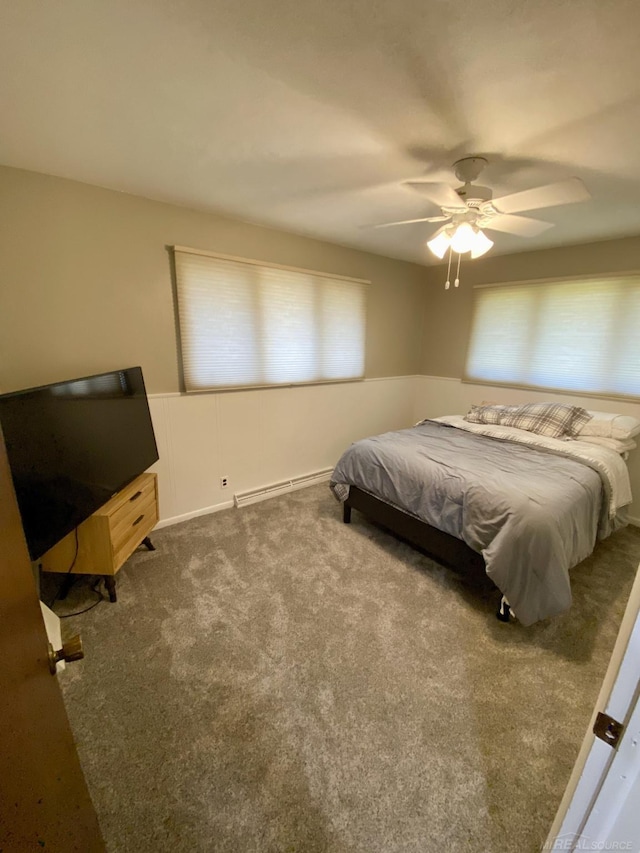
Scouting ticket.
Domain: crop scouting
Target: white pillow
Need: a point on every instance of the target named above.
(617, 444)
(607, 425)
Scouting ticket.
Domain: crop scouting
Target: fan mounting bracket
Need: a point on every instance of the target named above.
(468, 168)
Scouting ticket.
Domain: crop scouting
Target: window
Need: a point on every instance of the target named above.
(577, 335)
(245, 323)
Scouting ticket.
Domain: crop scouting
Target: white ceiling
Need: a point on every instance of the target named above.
(307, 114)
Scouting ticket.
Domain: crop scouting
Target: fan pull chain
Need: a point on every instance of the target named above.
(456, 283)
(447, 283)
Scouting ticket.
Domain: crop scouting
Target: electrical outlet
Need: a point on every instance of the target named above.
(224, 482)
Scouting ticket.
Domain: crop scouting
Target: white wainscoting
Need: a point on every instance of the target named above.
(256, 438)
(438, 395)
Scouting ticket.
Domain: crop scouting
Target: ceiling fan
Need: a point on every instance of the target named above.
(471, 208)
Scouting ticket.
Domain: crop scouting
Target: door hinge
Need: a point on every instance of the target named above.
(608, 729)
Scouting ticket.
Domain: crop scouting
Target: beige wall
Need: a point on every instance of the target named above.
(86, 282)
(448, 312)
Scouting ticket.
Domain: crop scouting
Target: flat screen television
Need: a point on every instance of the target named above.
(71, 446)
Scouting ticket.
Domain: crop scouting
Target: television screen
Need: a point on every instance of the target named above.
(72, 446)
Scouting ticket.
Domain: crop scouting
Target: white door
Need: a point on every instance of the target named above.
(600, 809)
(44, 801)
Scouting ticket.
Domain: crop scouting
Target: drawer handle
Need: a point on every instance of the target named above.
(138, 520)
(135, 497)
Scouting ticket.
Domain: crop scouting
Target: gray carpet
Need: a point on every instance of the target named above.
(273, 680)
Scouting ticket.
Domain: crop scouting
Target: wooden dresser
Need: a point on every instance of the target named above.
(109, 537)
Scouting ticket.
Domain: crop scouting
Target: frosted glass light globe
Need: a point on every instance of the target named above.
(464, 238)
(439, 244)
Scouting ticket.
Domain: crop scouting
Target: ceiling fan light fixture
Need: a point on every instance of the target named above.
(470, 205)
(481, 244)
(439, 244)
(463, 239)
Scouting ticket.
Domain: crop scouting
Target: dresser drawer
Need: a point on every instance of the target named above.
(139, 528)
(125, 525)
(123, 503)
(122, 510)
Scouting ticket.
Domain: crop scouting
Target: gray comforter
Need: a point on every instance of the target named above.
(532, 514)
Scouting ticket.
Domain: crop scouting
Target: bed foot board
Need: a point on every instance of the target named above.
(346, 513)
(504, 611)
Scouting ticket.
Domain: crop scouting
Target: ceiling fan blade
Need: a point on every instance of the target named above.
(562, 192)
(441, 194)
(523, 226)
(409, 221)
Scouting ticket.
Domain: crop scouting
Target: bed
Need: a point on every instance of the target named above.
(524, 507)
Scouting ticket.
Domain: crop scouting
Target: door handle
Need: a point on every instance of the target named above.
(70, 651)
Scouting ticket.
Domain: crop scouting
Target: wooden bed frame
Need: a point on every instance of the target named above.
(442, 547)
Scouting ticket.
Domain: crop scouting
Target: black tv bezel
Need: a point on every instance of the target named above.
(47, 386)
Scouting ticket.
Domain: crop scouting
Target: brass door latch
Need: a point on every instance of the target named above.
(70, 651)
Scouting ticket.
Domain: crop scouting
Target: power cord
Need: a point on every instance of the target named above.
(95, 589)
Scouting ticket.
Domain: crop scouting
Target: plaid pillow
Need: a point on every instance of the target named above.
(580, 418)
(555, 420)
(552, 419)
(488, 414)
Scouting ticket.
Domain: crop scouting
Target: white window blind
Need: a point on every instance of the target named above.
(578, 335)
(243, 323)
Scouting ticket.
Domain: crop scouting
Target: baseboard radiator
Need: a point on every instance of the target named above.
(264, 492)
